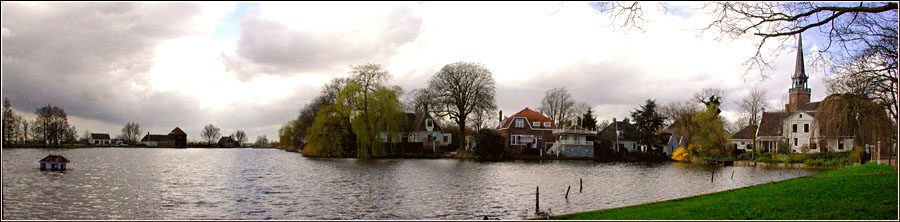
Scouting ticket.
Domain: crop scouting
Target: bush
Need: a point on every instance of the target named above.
(765, 159)
(743, 156)
(489, 145)
(798, 158)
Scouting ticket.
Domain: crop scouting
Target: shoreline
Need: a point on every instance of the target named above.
(710, 205)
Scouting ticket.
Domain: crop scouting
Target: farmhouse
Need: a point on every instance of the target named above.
(100, 139)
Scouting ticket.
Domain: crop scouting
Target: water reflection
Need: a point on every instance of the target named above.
(129, 183)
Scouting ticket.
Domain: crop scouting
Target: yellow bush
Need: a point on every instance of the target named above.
(681, 154)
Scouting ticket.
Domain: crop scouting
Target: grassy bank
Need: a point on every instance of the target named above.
(862, 192)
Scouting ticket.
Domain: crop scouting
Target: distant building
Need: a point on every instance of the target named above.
(228, 141)
(99, 139)
(743, 140)
(673, 144)
(572, 141)
(421, 128)
(175, 138)
(622, 135)
(797, 122)
(527, 131)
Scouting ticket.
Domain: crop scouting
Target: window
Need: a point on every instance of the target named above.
(546, 124)
(536, 124)
(840, 144)
(806, 128)
(540, 137)
(794, 128)
(801, 116)
(520, 123)
(428, 123)
(446, 138)
(742, 142)
(619, 133)
(514, 140)
(795, 141)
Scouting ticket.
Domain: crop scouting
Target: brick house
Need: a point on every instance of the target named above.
(527, 132)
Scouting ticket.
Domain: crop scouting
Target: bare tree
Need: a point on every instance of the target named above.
(706, 94)
(557, 104)
(210, 133)
(262, 140)
(131, 132)
(752, 105)
(460, 89)
(240, 136)
(872, 77)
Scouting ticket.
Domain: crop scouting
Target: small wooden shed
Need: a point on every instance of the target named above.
(54, 162)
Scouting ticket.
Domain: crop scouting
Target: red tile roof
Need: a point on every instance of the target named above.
(531, 116)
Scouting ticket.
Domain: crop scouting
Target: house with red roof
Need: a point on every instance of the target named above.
(527, 131)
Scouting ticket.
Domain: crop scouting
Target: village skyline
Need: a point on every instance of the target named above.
(252, 66)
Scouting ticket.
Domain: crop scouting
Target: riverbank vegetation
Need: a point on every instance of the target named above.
(863, 192)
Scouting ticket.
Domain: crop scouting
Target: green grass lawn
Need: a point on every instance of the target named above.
(853, 193)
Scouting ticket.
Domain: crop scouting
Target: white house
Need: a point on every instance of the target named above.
(743, 140)
(572, 142)
(797, 123)
(100, 139)
(421, 128)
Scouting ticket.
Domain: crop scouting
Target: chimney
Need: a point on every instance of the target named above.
(501, 116)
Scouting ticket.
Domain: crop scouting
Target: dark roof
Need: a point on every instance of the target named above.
(55, 158)
(155, 137)
(771, 123)
(628, 131)
(531, 116)
(416, 122)
(226, 139)
(177, 131)
(799, 69)
(747, 133)
(100, 136)
(810, 107)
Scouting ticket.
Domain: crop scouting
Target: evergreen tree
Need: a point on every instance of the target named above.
(647, 121)
(587, 120)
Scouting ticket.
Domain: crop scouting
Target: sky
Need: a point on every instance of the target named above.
(252, 66)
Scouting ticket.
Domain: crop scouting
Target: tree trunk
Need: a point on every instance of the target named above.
(462, 134)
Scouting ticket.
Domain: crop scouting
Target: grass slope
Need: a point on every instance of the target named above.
(853, 193)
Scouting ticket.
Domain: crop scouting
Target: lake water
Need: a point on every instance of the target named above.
(169, 184)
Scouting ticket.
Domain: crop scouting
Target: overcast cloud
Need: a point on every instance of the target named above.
(164, 65)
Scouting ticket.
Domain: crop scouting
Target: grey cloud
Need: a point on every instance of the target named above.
(64, 53)
(274, 48)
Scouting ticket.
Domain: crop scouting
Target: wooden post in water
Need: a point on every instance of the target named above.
(580, 185)
(732, 174)
(567, 191)
(537, 200)
(712, 175)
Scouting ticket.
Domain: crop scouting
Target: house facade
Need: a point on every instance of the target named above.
(228, 141)
(100, 139)
(527, 131)
(621, 135)
(797, 123)
(420, 129)
(743, 140)
(572, 142)
(175, 138)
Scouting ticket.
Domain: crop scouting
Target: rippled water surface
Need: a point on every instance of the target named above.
(137, 183)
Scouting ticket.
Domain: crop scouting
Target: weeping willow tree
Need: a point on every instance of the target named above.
(365, 109)
(850, 114)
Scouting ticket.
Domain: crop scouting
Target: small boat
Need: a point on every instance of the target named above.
(54, 162)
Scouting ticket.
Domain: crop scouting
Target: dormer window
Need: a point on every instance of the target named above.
(428, 123)
(520, 123)
(536, 124)
(546, 124)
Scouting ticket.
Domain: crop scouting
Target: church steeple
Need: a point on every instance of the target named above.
(799, 93)
(799, 78)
